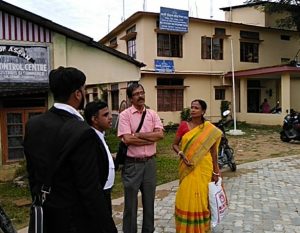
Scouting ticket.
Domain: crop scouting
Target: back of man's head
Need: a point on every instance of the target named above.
(92, 108)
(63, 81)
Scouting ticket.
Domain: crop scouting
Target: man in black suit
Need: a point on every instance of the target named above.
(76, 202)
(97, 115)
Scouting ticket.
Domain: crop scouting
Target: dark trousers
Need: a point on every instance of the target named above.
(107, 196)
(139, 176)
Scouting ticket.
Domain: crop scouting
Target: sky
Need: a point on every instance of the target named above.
(95, 18)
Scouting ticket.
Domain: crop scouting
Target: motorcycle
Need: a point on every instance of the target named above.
(291, 127)
(276, 109)
(5, 223)
(226, 153)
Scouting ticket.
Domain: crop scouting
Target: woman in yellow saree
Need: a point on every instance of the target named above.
(196, 143)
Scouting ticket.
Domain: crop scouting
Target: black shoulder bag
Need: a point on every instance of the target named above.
(122, 151)
(5, 223)
(36, 221)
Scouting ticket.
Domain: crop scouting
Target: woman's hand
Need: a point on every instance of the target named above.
(215, 176)
(185, 159)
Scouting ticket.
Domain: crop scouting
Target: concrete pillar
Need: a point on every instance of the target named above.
(285, 93)
(243, 95)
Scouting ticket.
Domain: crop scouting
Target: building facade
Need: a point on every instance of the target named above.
(198, 63)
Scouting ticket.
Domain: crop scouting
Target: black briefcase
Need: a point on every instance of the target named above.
(5, 223)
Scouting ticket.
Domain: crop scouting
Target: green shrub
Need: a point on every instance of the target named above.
(185, 114)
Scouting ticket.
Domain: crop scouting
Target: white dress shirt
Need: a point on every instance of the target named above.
(111, 171)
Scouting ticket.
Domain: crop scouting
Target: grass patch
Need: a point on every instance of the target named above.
(10, 195)
(251, 130)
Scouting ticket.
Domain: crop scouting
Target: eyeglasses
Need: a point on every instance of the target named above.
(138, 93)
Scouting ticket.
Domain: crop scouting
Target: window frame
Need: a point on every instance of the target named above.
(220, 93)
(214, 53)
(169, 45)
(249, 52)
(114, 93)
(131, 47)
(170, 94)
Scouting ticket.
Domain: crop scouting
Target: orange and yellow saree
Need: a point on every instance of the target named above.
(192, 213)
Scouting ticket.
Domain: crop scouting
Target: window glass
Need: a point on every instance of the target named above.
(285, 37)
(249, 52)
(169, 45)
(113, 41)
(219, 94)
(115, 97)
(249, 35)
(131, 48)
(220, 31)
(216, 52)
(169, 94)
(132, 29)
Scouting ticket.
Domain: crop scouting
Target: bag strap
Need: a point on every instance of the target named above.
(141, 122)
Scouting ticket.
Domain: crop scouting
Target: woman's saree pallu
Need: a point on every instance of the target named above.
(192, 213)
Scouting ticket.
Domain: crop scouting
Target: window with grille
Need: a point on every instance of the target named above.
(220, 32)
(220, 94)
(115, 97)
(285, 37)
(249, 46)
(113, 43)
(249, 52)
(130, 38)
(169, 94)
(249, 35)
(215, 52)
(169, 45)
(131, 48)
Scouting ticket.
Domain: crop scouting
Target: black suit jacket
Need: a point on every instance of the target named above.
(76, 202)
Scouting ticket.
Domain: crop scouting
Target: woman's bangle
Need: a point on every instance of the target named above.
(180, 153)
(216, 174)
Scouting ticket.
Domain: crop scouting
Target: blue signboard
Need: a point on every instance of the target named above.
(164, 66)
(173, 20)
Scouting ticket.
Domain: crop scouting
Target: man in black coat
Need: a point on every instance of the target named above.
(98, 116)
(76, 201)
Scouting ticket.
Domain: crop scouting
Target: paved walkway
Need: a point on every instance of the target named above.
(264, 197)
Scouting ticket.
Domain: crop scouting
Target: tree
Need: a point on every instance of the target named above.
(281, 6)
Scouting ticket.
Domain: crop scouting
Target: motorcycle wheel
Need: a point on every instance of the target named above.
(231, 162)
(284, 138)
(232, 166)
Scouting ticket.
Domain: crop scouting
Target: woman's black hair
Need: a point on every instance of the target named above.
(203, 106)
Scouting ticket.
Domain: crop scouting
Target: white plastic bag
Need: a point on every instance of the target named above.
(217, 202)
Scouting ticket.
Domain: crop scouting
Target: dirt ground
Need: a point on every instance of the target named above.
(255, 145)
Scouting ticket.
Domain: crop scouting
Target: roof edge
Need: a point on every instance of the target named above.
(22, 13)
